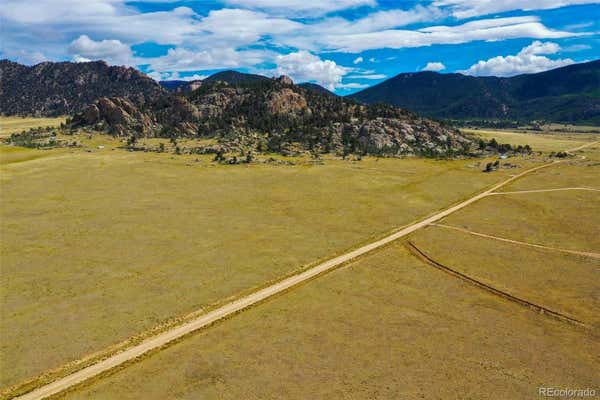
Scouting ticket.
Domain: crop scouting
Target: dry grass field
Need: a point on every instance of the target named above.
(100, 244)
(545, 142)
(564, 219)
(387, 326)
(10, 125)
(565, 283)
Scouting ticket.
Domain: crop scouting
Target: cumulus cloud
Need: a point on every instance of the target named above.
(99, 18)
(473, 8)
(304, 66)
(181, 59)
(175, 76)
(235, 27)
(434, 66)
(112, 51)
(358, 60)
(529, 60)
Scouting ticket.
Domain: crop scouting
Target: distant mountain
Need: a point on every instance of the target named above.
(172, 85)
(316, 88)
(50, 89)
(235, 78)
(567, 94)
(232, 78)
(181, 86)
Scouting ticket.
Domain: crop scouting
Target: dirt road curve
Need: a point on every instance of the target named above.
(539, 246)
(235, 306)
(547, 190)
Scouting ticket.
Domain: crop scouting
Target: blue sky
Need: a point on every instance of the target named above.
(344, 45)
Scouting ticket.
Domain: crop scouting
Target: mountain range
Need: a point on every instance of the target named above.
(567, 94)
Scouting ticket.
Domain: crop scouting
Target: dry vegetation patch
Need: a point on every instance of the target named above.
(99, 246)
(387, 326)
(563, 283)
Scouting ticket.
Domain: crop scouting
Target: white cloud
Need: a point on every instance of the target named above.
(372, 59)
(24, 56)
(180, 59)
(378, 21)
(304, 66)
(302, 7)
(487, 30)
(357, 60)
(434, 66)
(473, 8)
(528, 60)
(174, 76)
(79, 59)
(236, 27)
(352, 86)
(112, 51)
(368, 76)
(55, 19)
(576, 47)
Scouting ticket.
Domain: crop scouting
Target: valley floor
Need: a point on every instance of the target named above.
(103, 247)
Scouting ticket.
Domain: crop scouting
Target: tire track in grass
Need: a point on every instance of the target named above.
(497, 292)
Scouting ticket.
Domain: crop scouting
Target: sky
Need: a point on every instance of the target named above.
(344, 45)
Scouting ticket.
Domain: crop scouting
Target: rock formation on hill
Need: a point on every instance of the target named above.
(64, 88)
(272, 114)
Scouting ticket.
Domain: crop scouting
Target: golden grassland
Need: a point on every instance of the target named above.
(573, 172)
(100, 244)
(545, 142)
(560, 282)
(10, 125)
(565, 219)
(387, 326)
(390, 326)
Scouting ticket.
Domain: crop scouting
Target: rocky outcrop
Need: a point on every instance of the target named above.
(280, 116)
(117, 115)
(50, 89)
(285, 80)
(286, 101)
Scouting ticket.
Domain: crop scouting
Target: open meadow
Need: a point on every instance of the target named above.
(104, 245)
(101, 245)
(545, 142)
(386, 326)
(9, 125)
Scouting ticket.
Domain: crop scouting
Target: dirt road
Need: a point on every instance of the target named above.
(539, 246)
(254, 298)
(547, 190)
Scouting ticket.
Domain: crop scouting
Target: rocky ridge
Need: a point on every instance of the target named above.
(64, 88)
(272, 114)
